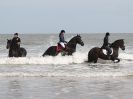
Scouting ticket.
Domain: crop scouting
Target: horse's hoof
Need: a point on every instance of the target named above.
(116, 61)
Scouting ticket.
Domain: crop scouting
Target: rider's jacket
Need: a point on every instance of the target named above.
(15, 42)
(106, 41)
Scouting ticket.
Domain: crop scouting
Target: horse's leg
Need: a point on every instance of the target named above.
(95, 61)
(118, 60)
(95, 58)
(16, 53)
(69, 51)
(10, 54)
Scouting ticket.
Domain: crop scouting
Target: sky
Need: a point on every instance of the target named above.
(74, 16)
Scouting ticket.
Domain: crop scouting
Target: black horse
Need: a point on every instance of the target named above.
(71, 47)
(14, 52)
(97, 52)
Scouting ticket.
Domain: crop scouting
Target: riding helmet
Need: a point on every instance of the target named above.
(108, 34)
(62, 31)
(16, 34)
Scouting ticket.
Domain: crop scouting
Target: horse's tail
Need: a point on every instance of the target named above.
(45, 53)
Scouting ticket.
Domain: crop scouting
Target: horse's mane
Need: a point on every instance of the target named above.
(115, 43)
(118, 40)
(9, 40)
(74, 38)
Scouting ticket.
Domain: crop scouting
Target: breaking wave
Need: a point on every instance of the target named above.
(76, 58)
(65, 66)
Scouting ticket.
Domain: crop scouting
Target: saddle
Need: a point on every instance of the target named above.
(59, 48)
(105, 51)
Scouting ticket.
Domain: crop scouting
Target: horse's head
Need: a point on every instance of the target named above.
(118, 44)
(8, 44)
(79, 40)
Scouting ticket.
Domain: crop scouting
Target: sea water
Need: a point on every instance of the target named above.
(65, 77)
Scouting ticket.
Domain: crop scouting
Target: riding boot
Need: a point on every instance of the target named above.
(108, 56)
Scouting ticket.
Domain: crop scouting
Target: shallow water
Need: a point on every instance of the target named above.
(69, 77)
(65, 88)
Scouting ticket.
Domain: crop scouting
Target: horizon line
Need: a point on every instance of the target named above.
(72, 33)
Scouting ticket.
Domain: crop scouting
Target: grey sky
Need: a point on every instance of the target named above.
(78, 16)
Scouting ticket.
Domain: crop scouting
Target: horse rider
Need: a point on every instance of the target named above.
(16, 41)
(106, 45)
(62, 41)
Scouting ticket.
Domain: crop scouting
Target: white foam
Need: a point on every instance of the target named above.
(77, 71)
(126, 56)
(76, 58)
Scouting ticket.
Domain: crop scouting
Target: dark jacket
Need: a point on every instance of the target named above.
(15, 41)
(106, 41)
